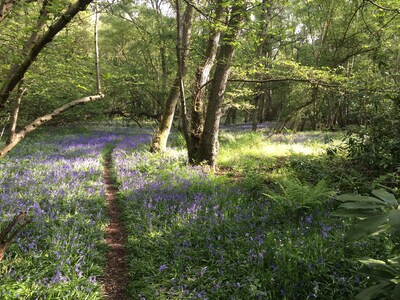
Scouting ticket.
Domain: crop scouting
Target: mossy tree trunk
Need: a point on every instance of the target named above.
(208, 148)
(199, 91)
(159, 142)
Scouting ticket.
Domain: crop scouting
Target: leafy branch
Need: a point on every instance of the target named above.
(378, 215)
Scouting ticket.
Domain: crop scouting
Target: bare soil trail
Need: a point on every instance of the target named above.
(116, 272)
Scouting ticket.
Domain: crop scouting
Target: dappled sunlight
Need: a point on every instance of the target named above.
(192, 234)
(263, 149)
(281, 150)
(189, 231)
(175, 153)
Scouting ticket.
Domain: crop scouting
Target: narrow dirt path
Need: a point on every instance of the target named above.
(116, 272)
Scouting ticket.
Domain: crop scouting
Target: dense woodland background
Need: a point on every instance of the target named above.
(326, 65)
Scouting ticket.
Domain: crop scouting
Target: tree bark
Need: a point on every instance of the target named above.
(208, 148)
(14, 114)
(265, 53)
(5, 7)
(199, 92)
(159, 142)
(5, 242)
(257, 104)
(181, 66)
(18, 73)
(96, 49)
(41, 120)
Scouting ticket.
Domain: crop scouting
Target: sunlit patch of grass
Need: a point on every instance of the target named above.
(258, 145)
(272, 158)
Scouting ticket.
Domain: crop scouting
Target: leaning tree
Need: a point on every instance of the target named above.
(53, 17)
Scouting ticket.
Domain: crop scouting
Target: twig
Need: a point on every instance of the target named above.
(5, 242)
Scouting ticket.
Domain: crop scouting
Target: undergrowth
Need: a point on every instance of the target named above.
(261, 228)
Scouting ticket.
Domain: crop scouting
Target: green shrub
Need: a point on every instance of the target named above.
(379, 214)
(296, 195)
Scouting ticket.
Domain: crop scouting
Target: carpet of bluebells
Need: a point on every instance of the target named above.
(191, 234)
(56, 177)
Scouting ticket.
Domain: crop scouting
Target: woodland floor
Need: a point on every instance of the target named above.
(116, 272)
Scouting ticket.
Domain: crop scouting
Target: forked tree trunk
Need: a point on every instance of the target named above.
(208, 149)
(199, 92)
(159, 142)
(179, 42)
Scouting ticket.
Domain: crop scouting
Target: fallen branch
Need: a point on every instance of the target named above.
(39, 121)
(5, 242)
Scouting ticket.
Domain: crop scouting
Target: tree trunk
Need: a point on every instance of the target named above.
(96, 49)
(257, 104)
(199, 92)
(265, 53)
(159, 142)
(5, 7)
(313, 113)
(208, 148)
(183, 118)
(164, 70)
(156, 5)
(14, 114)
(41, 120)
(18, 73)
(230, 116)
(269, 114)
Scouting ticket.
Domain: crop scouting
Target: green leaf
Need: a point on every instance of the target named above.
(385, 196)
(377, 275)
(355, 213)
(379, 264)
(365, 228)
(367, 261)
(396, 291)
(361, 205)
(394, 219)
(374, 291)
(82, 87)
(396, 250)
(358, 198)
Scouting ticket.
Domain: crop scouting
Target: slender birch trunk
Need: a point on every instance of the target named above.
(96, 49)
